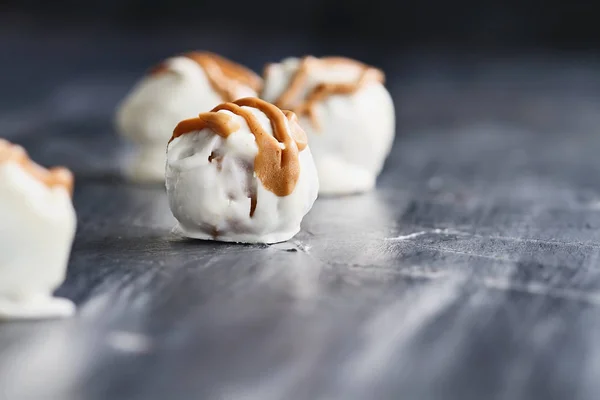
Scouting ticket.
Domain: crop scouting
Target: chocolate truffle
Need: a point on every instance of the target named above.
(346, 111)
(36, 234)
(242, 172)
(178, 88)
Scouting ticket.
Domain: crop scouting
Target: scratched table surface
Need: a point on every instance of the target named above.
(472, 272)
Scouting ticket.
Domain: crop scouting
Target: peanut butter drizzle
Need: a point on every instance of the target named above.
(224, 75)
(253, 203)
(278, 169)
(307, 105)
(57, 176)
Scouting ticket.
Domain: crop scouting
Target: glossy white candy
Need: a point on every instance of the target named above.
(155, 106)
(214, 196)
(355, 131)
(37, 225)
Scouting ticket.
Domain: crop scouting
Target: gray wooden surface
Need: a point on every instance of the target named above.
(471, 273)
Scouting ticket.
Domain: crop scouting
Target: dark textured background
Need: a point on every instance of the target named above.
(470, 273)
(383, 24)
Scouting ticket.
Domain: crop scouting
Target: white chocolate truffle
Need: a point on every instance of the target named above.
(241, 173)
(347, 113)
(36, 233)
(177, 89)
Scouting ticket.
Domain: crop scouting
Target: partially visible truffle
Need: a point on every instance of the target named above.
(36, 234)
(346, 111)
(176, 89)
(54, 177)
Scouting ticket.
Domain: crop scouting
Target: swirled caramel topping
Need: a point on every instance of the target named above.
(289, 99)
(276, 164)
(224, 75)
(53, 177)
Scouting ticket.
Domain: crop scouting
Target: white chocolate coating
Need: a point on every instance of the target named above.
(36, 233)
(355, 131)
(214, 197)
(155, 106)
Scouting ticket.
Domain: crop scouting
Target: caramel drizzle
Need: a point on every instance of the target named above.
(224, 75)
(323, 90)
(53, 177)
(277, 168)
